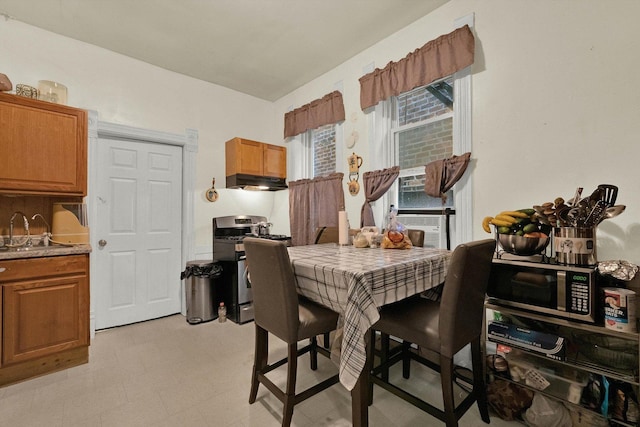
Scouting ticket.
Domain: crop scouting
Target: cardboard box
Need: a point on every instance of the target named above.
(549, 345)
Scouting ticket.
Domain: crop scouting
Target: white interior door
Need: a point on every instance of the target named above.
(138, 256)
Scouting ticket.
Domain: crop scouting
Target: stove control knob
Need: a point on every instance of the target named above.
(102, 243)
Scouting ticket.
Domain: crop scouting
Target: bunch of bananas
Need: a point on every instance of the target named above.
(519, 222)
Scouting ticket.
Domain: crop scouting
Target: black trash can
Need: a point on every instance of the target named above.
(200, 290)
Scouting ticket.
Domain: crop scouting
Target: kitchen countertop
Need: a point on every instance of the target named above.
(44, 251)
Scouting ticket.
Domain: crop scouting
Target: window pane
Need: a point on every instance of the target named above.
(324, 150)
(412, 195)
(421, 104)
(424, 144)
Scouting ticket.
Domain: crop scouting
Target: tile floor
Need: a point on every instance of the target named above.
(166, 372)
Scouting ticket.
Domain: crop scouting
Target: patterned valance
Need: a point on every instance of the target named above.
(436, 59)
(326, 110)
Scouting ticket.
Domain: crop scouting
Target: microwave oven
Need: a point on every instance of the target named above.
(563, 291)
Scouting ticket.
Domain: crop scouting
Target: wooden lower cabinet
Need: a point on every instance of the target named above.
(45, 315)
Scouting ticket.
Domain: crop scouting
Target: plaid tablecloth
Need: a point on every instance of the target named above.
(356, 281)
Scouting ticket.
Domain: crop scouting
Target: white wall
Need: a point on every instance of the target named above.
(555, 104)
(133, 93)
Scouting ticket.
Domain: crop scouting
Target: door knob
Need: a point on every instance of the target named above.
(102, 243)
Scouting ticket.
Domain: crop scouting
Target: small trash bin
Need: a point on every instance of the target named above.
(200, 290)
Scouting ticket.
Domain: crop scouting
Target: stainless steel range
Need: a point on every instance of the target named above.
(228, 251)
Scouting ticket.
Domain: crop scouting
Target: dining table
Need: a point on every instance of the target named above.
(356, 282)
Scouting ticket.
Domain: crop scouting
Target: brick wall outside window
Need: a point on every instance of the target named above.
(324, 150)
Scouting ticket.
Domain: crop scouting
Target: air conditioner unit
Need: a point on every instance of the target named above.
(434, 226)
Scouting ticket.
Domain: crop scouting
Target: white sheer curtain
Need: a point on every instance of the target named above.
(300, 157)
(382, 151)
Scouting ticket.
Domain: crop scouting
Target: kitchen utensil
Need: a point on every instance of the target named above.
(613, 211)
(562, 216)
(576, 197)
(571, 216)
(212, 194)
(260, 228)
(597, 214)
(609, 193)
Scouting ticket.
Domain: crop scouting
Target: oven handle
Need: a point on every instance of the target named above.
(245, 274)
(247, 277)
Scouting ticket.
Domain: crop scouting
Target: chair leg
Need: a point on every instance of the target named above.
(371, 354)
(313, 353)
(446, 379)
(406, 359)
(384, 353)
(290, 394)
(260, 359)
(479, 387)
(327, 341)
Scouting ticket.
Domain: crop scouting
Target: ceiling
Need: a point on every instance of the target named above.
(264, 48)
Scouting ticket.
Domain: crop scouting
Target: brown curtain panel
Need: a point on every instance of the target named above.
(326, 110)
(376, 183)
(314, 203)
(436, 59)
(442, 174)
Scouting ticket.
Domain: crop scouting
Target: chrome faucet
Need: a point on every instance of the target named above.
(26, 229)
(46, 236)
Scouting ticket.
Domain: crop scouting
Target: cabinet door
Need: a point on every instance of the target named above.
(45, 314)
(275, 161)
(244, 156)
(44, 147)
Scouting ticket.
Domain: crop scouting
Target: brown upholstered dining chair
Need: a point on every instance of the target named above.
(280, 311)
(416, 237)
(326, 235)
(330, 234)
(442, 329)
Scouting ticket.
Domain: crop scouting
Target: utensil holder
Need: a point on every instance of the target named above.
(575, 245)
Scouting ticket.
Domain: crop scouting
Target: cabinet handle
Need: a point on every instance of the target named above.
(102, 243)
(2, 269)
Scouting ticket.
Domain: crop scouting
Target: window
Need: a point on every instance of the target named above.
(413, 129)
(315, 152)
(424, 133)
(323, 140)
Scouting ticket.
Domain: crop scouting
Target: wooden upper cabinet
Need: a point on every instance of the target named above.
(275, 161)
(244, 156)
(43, 147)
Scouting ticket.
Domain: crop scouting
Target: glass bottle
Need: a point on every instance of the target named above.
(222, 313)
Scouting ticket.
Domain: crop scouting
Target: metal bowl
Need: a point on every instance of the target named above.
(521, 245)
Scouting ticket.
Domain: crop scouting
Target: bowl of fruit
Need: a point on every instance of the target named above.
(519, 232)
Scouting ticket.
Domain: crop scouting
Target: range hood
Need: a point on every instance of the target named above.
(254, 182)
